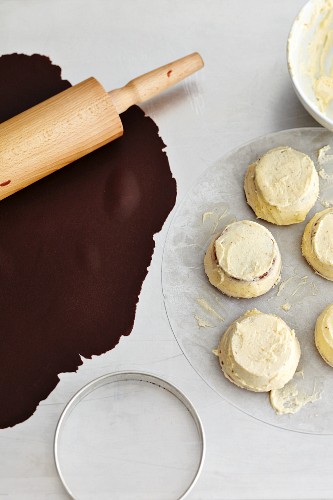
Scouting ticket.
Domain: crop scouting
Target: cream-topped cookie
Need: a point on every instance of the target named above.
(244, 261)
(324, 334)
(317, 243)
(282, 186)
(259, 352)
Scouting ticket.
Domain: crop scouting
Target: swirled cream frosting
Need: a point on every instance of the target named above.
(259, 352)
(244, 261)
(317, 243)
(324, 334)
(282, 186)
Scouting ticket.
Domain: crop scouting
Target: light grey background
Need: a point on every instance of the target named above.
(243, 92)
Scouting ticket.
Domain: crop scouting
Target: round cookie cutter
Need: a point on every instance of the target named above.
(83, 445)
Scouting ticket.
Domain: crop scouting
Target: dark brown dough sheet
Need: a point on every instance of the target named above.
(74, 247)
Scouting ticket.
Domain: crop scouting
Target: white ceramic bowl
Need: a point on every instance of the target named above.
(304, 31)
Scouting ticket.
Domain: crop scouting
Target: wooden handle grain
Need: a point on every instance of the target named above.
(150, 84)
(75, 122)
(54, 133)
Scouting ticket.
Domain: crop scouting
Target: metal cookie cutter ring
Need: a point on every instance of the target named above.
(105, 380)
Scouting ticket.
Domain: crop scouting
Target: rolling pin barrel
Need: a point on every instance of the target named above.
(55, 133)
(75, 122)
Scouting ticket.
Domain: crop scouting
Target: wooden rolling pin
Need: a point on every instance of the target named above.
(75, 122)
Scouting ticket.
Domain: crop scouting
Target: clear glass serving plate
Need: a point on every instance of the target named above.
(199, 314)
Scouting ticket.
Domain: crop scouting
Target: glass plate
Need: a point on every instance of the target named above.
(199, 314)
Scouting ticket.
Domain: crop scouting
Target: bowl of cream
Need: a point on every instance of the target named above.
(310, 59)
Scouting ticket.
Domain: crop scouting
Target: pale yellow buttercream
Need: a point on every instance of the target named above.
(259, 352)
(244, 261)
(245, 250)
(324, 334)
(319, 57)
(282, 186)
(317, 243)
(291, 398)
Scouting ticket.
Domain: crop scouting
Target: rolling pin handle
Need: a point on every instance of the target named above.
(150, 84)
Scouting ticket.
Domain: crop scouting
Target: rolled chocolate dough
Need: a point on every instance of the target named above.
(74, 247)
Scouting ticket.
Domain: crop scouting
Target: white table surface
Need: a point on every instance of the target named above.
(243, 92)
